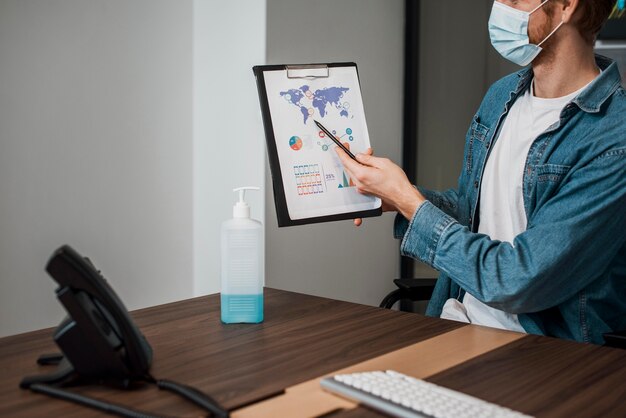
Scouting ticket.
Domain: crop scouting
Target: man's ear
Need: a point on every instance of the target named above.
(569, 9)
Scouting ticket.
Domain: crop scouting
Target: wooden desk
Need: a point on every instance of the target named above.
(264, 368)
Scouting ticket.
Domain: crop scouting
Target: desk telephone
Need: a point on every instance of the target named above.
(99, 341)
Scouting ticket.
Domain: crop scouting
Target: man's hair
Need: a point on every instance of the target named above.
(594, 14)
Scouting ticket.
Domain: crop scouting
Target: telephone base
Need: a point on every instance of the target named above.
(63, 372)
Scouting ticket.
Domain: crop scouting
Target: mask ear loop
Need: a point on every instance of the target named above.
(552, 33)
(554, 30)
(538, 7)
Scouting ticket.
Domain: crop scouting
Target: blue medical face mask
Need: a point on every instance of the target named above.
(508, 30)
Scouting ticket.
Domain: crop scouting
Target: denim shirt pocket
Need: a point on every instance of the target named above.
(548, 180)
(477, 137)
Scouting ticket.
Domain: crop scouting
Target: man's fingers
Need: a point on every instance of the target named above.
(347, 162)
(370, 160)
(365, 159)
(358, 222)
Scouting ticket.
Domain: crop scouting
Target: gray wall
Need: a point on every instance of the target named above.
(336, 259)
(107, 137)
(229, 150)
(458, 65)
(118, 136)
(96, 143)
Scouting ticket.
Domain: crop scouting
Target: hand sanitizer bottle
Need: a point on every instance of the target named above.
(242, 265)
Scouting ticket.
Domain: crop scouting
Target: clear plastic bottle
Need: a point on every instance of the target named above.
(243, 265)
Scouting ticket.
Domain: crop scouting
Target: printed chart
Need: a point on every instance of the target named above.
(326, 143)
(318, 184)
(295, 143)
(309, 179)
(318, 103)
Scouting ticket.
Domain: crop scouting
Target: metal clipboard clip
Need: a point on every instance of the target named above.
(308, 72)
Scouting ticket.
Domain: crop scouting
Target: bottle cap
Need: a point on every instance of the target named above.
(241, 208)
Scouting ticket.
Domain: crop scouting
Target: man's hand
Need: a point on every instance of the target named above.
(382, 178)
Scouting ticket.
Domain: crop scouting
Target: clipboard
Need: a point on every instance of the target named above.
(309, 183)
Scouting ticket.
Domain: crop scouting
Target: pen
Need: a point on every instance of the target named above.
(335, 140)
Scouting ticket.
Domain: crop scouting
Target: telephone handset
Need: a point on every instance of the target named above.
(98, 339)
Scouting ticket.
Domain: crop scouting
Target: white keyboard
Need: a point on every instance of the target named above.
(400, 395)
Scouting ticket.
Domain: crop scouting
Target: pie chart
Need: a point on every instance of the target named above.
(295, 143)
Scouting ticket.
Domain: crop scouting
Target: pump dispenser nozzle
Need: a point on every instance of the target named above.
(241, 208)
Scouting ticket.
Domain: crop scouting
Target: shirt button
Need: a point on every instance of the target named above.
(470, 220)
(476, 184)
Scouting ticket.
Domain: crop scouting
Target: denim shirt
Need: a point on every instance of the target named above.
(565, 276)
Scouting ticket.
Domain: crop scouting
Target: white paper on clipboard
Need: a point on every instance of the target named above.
(314, 180)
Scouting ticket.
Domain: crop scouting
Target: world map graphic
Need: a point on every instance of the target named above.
(321, 100)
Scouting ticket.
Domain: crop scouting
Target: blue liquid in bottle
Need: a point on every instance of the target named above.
(242, 308)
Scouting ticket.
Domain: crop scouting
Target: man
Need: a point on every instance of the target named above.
(534, 237)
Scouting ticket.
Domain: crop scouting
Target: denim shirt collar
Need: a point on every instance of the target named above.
(592, 98)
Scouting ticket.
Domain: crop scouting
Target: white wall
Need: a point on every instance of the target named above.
(336, 259)
(119, 135)
(229, 148)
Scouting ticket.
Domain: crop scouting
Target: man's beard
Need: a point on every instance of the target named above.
(540, 33)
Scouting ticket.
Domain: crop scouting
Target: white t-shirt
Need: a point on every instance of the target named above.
(502, 214)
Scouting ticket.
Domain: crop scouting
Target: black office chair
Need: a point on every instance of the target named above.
(422, 289)
(615, 339)
(409, 289)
